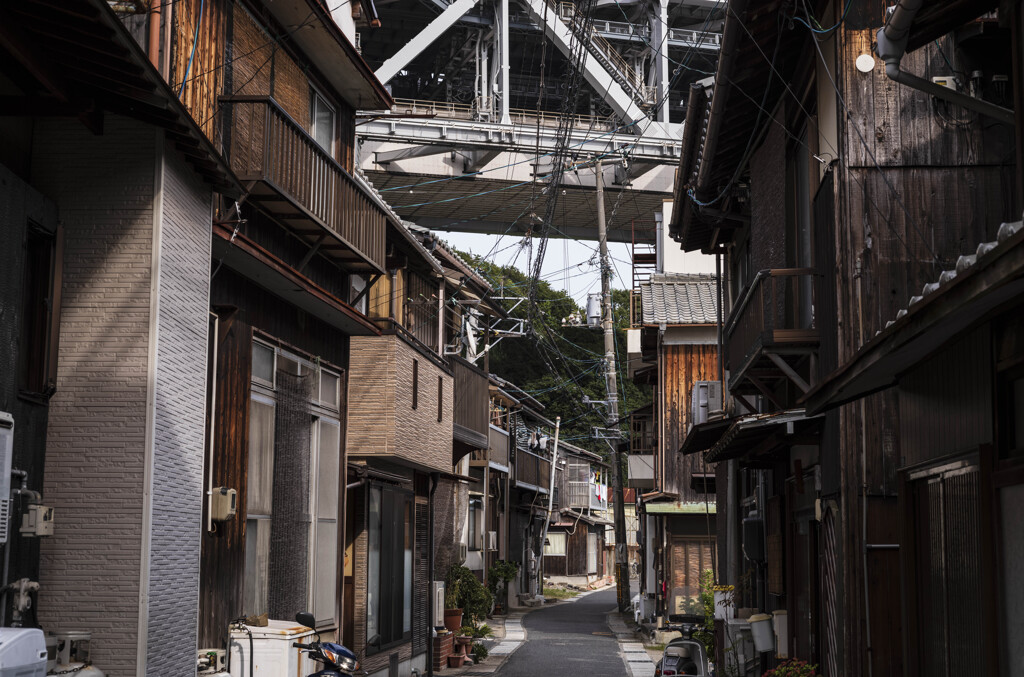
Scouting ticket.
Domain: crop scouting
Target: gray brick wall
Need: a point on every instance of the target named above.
(180, 419)
(90, 567)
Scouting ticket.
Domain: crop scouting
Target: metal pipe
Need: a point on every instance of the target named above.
(154, 34)
(434, 479)
(551, 503)
(892, 45)
(858, 276)
(213, 423)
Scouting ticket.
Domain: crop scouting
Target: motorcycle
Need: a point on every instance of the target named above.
(684, 656)
(337, 660)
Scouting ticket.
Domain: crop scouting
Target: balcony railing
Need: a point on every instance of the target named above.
(533, 470)
(281, 160)
(582, 495)
(772, 317)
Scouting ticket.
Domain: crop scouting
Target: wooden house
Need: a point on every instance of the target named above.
(574, 550)
(108, 187)
(833, 196)
(677, 323)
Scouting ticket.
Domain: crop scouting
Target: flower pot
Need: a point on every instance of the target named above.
(455, 660)
(453, 619)
(462, 642)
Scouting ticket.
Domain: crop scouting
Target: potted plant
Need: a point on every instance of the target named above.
(793, 668)
(498, 577)
(456, 659)
(480, 652)
(452, 610)
(464, 592)
(462, 641)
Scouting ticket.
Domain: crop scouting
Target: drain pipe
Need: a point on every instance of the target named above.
(892, 45)
(434, 479)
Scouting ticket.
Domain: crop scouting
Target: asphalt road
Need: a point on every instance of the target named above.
(568, 640)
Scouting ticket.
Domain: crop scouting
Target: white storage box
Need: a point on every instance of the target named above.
(272, 652)
(22, 652)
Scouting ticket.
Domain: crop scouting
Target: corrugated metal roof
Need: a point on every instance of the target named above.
(679, 299)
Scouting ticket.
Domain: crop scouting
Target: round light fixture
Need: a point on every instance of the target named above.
(865, 63)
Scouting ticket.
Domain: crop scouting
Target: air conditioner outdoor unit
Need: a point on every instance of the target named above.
(438, 597)
(463, 552)
(705, 398)
(492, 540)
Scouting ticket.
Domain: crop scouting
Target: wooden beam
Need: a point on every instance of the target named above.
(765, 390)
(312, 252)
(789, 371)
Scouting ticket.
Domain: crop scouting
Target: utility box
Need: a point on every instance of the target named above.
(22, 652)
(223, 504)
(271, 653)
(37, 521)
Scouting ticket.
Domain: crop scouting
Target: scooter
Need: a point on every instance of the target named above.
(684, 656)
(337, 660)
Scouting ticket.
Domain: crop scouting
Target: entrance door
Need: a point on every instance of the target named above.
(592, 553)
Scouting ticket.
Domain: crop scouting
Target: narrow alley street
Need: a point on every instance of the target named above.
(569, 639)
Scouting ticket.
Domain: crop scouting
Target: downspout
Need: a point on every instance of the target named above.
(154, 35)
(858, 275)
(892, 45)
(434, 477)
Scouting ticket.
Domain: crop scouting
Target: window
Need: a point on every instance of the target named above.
(389, 567)
(475, 506)
(322, 116)
(440, 399)
(415, 384)
(273, 423)
(358, 294)
(556, 543)
(40, 311)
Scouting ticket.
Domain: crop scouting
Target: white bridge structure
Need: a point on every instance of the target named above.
(481, 105)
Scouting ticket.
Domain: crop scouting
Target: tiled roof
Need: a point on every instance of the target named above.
(679, 299)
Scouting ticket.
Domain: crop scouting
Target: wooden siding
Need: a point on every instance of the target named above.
(682, 366)
(574, 562)
(689, 556)
(381, 420)
(222, 563)
(198, 59)
(946, 403)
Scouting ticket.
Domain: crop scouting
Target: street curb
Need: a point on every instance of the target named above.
(638, 663)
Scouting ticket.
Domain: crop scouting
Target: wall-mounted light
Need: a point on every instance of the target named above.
(865, 63)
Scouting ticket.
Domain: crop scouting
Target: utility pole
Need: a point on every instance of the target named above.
(612, 411)
(551, 504)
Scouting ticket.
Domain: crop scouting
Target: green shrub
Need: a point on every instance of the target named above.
(480, 652)
(464, 591)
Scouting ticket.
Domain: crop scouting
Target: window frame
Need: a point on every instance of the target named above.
(39, 330)
(563, 537)
(315, 95)
(390, 605)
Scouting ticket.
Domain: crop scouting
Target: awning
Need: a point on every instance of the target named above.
(956, 305)
(759, 437)
(703, 436)
(583, 517)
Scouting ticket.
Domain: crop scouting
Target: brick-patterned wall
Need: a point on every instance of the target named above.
(381, 420)
(95, 457)
(179, 420)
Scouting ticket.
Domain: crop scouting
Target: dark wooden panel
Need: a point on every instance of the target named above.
(946, 403)
(222, 562)
(471, 396)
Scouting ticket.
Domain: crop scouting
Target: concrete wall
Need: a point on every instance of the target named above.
(125, 442)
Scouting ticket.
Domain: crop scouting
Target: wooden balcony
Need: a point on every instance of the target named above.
(293, 178)
(771, 334)
(496, 453)
(471, 425)
(532, 470)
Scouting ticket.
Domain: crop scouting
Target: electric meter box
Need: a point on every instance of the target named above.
(223, 504)
(271, 652)
(22, 652)
(37, 521)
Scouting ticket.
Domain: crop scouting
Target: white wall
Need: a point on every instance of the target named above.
(671, 257)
